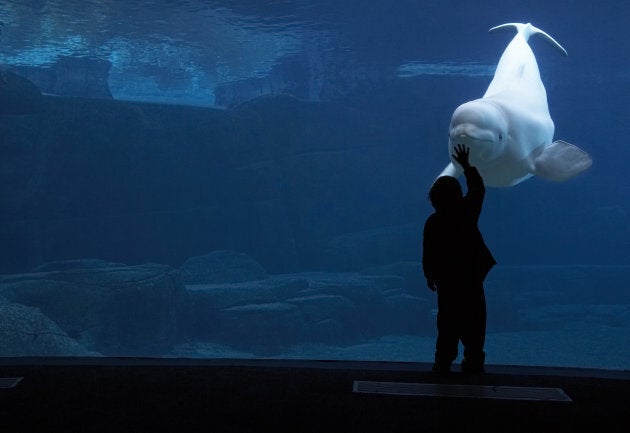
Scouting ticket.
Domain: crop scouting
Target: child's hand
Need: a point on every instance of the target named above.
(461, 155)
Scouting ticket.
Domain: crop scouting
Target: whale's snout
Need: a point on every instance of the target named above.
(481, 127)
(471, 134)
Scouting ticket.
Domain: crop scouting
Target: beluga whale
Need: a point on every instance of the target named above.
(509, 130)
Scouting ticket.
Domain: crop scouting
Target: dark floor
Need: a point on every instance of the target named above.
(156, 395)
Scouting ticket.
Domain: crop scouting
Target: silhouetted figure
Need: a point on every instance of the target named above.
(456, 261)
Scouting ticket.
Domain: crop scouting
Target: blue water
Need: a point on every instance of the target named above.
(298, 139)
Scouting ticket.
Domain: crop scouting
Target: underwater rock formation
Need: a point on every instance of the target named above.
(92, 307)
(18, 95)
(315, 74)
(107, 308)
(71, 76)
(221, 267)
(268, 316)
(25, 331)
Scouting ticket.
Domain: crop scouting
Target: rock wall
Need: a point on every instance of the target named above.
(18, 95)
(283, 180)
(71, 76)
(318, 73)
(297, 185)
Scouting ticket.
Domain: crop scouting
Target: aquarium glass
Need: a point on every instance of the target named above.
(249, 178)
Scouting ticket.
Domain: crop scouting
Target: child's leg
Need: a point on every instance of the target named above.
(474, 332)
(448, 337)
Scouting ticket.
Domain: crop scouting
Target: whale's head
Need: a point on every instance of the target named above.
(481, 126)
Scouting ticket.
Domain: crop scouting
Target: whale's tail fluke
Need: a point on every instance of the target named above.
(527, 30)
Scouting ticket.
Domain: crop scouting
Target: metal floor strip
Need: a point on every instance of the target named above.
(461, 391)
(9, 382)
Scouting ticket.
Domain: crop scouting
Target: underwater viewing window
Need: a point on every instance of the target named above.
(245, 179)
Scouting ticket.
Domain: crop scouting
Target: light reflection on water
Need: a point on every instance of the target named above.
(153, 46)
(182, 51)
(98, 28)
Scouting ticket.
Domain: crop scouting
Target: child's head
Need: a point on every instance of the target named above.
(445, 193)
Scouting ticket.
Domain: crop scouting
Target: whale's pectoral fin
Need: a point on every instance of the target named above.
(450, 170)
(561, 161)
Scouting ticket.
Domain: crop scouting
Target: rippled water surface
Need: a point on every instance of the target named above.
(179, 51)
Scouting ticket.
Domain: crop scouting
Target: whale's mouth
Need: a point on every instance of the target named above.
(476, 144)
(482, 147)
(478, 137)
(471, 141)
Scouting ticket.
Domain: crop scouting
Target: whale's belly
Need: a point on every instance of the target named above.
(515, 165)
(504, 174)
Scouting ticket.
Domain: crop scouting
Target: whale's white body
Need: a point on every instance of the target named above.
(509, 130)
